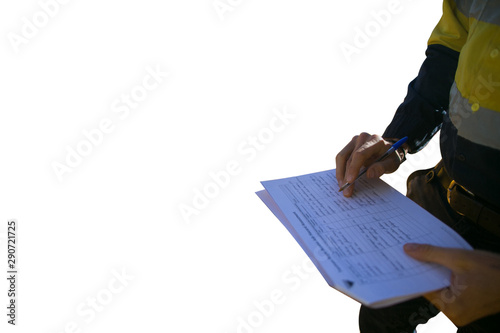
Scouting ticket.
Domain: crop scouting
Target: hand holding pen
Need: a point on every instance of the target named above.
(366, 150)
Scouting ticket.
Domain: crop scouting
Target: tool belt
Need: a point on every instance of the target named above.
(465, 202)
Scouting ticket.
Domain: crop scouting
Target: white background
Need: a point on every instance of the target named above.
(118, 209)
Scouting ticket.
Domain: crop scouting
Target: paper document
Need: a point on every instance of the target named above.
(357, 243)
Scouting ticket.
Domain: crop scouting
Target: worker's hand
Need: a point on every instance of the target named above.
(363, 150)
(475, 289)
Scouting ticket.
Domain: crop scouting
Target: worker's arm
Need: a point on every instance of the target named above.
(420, 115)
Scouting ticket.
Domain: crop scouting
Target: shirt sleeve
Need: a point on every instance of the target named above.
(421, 114)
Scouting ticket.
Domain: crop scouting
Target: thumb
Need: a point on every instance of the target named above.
(451, 258)
(388, 165)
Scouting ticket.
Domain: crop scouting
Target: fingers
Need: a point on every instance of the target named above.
(362, 150)
(367, 150)
(454, 259)
(341, 160)
(344, 158)
(388, 165)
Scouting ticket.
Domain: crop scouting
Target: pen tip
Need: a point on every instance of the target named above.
(343, 187)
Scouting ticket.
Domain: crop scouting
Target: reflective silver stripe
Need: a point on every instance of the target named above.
(481, 126)
(482, 10)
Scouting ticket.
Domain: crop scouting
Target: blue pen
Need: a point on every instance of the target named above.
(393, 148)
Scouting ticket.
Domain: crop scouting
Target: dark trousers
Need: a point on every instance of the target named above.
(429, 194)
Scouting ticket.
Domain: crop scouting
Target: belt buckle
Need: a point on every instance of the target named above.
(459, 189)
(450, 190)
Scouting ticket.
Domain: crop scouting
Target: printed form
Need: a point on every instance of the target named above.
(357, 243)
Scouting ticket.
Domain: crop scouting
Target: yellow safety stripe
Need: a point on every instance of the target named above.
(472, 27)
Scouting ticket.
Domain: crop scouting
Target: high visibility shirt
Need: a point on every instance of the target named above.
(457, 90)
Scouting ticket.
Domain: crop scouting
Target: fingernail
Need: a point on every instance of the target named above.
(411, 247)
(348, 191)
